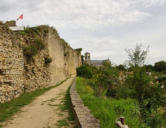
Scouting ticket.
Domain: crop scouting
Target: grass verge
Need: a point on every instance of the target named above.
(66, 106)
(108, 110)
(10, 108)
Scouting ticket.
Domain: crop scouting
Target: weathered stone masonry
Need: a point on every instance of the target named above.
(11, 69)
(17, 75)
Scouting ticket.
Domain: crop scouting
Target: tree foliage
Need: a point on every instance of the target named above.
(160, 66)
(137, 56)
(121, 67)
(150, 97)
(106, 78)
(85, 71)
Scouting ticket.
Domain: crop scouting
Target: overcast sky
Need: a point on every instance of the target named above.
(105, 28)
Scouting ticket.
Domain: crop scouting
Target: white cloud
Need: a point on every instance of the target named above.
(88, 14)
(150, 3)
(92, 13)
(100, 47)
(75, 19)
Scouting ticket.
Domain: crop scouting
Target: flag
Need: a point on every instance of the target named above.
(20, 17)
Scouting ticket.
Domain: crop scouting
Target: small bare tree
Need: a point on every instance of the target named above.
(137, 56)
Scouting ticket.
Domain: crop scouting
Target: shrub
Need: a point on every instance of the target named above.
(33, 48)
(161, 78)
(106, 78)
(47, 60)
(32, 30)
(156, 120)
(39, 44)
(125, 92)
(121, 67)
(150, 98)
(78, 50)
(85, 71)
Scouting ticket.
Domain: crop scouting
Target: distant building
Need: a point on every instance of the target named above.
(87, 58)
(96, 63)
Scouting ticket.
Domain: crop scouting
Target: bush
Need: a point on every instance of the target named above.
(78, 50)
(32, 30)
(47, 60)
(85, 71)
(121, 67)
(161, 78)
(156, 120)
(150, 98)
(105, 78)
(33, 48)
(125, 92)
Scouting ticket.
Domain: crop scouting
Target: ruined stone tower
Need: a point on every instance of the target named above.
(87, 57)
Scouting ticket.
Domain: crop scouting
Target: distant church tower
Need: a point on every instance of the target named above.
(87, 58)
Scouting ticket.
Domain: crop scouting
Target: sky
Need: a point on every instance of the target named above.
(105, 28)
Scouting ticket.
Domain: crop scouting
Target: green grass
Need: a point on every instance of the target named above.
(108, 110)
(10, 108)
(62, 123)
(66, 105)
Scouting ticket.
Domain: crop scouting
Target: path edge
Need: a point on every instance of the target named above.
(83, 116)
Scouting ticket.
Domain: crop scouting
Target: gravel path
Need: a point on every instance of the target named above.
(44, 111)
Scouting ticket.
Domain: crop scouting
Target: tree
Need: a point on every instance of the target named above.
(137, 56)
(121, 67)
(149, 68)
(160, 66)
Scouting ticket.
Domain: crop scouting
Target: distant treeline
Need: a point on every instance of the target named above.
(157, 67)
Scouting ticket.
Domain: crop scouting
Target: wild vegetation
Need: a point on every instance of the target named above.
(111, 91)
(107, 110)
(33, 48)
(66, 105)
(35, 41)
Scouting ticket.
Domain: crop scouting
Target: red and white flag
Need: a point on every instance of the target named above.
(20, 17)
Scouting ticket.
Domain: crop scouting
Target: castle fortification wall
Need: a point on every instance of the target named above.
(19, 74)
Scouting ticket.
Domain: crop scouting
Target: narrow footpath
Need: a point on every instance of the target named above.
(44, 111)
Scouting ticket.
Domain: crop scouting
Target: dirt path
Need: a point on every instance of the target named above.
(44, 111)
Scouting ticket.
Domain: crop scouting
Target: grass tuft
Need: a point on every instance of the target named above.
(62, 123)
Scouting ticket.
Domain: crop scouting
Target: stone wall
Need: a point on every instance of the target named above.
(64, 58)
(11, 68)
(83, 117)
(18, 75)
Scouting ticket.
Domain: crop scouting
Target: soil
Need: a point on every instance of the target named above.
(44, 111)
